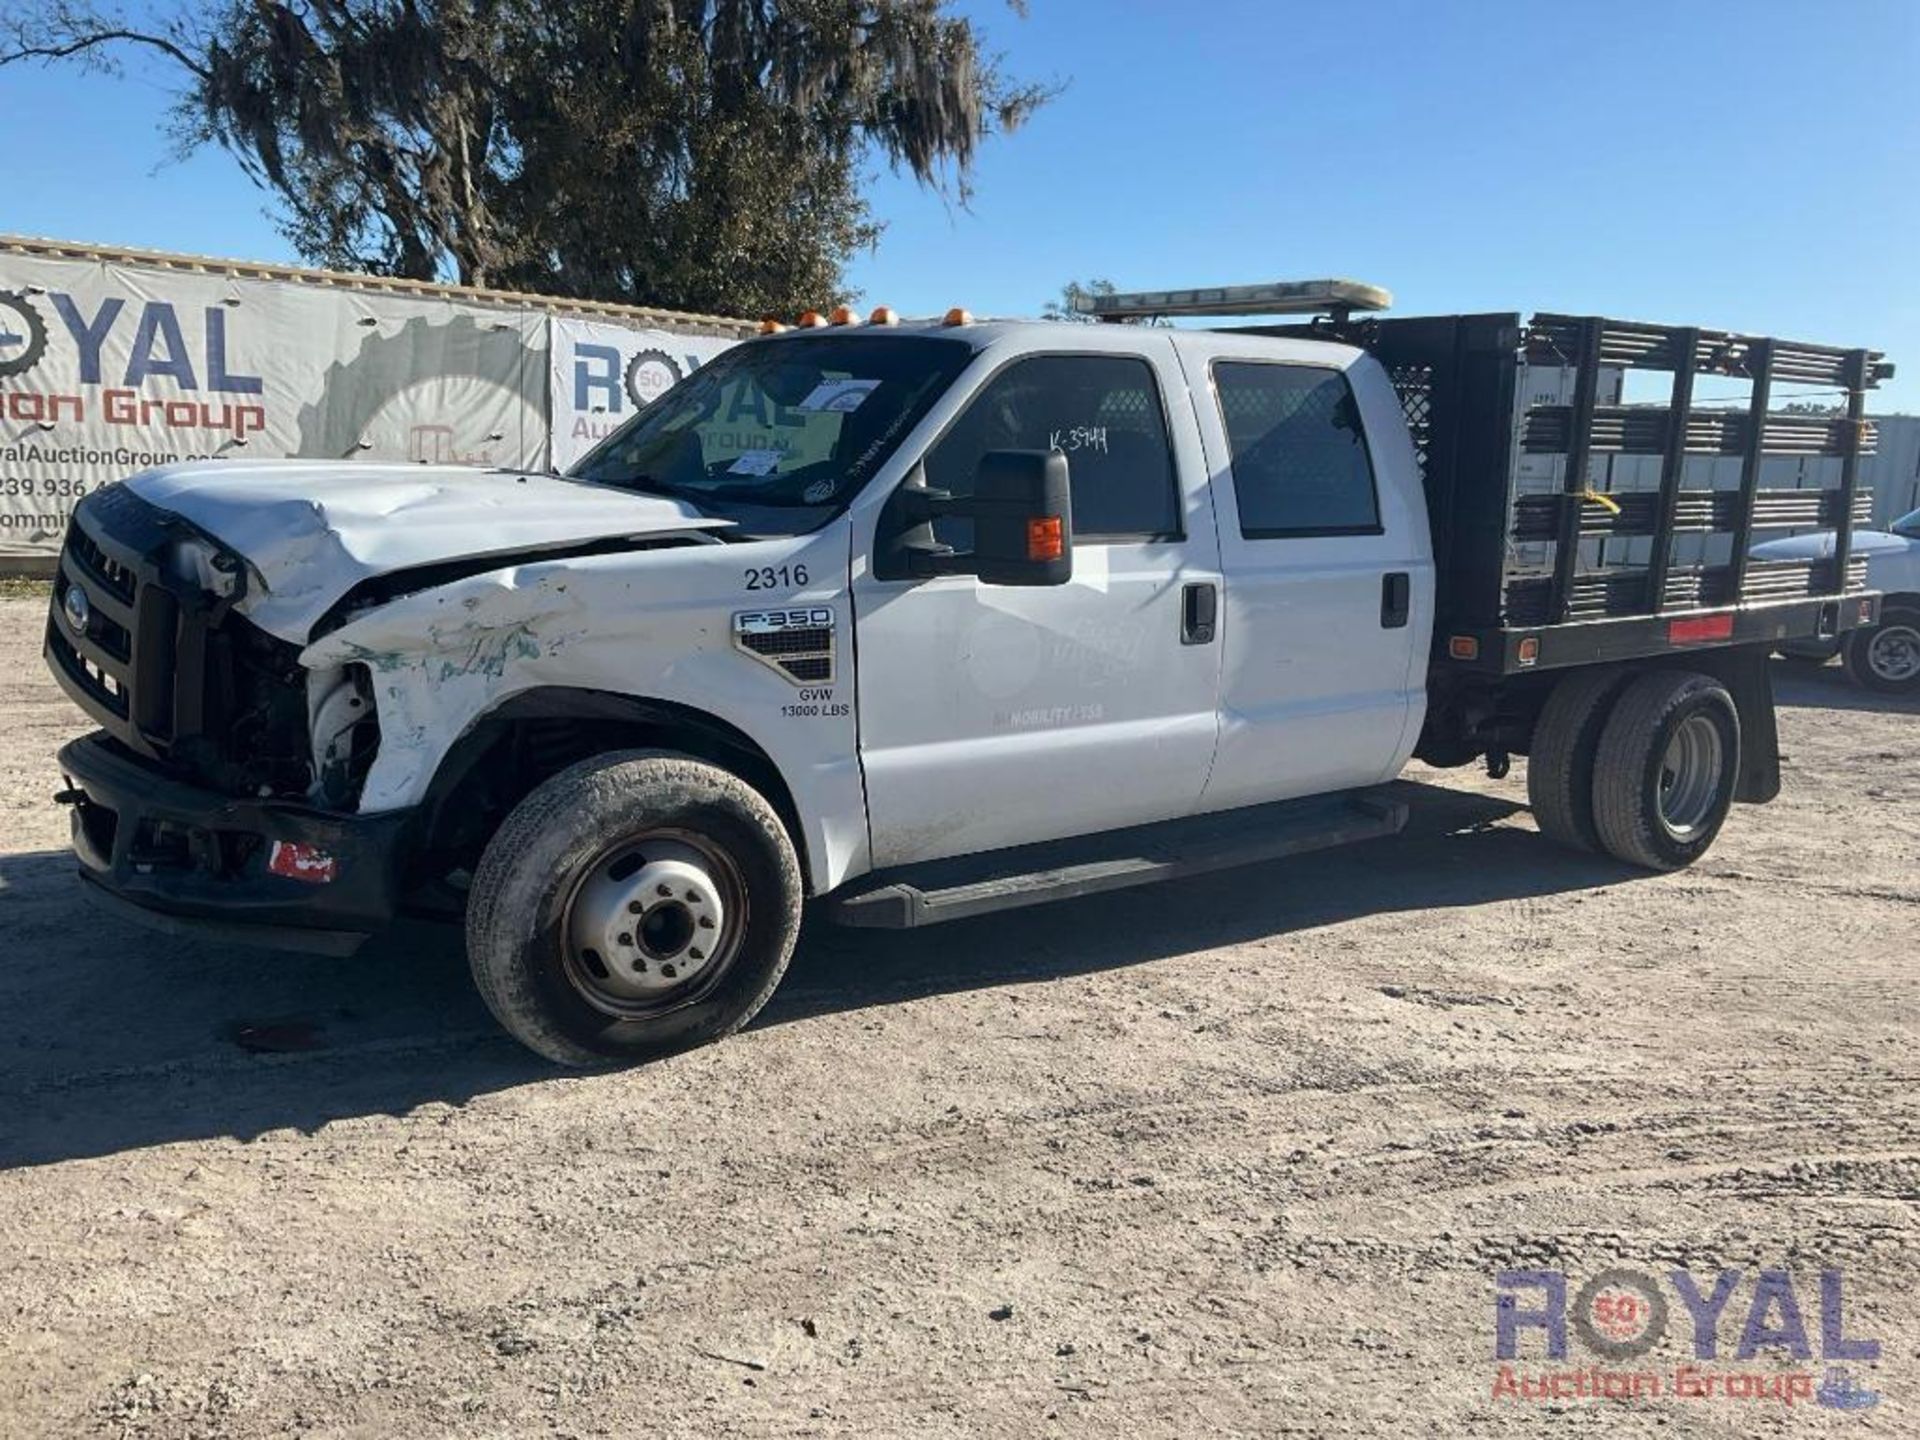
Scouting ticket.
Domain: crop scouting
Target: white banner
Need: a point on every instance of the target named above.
(109, 366)
(601, 373)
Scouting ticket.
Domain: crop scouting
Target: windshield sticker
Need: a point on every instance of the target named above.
(841, 397)
(819, 492)
(756, 462)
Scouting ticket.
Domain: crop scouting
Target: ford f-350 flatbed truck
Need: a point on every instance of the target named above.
(930, 620)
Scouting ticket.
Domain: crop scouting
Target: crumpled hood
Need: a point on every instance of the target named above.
(312, 530)
(1819, 545)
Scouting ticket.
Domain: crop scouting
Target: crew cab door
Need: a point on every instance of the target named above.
(996, 715)
(1329, 574)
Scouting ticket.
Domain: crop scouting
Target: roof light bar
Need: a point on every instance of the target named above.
(1281, 297)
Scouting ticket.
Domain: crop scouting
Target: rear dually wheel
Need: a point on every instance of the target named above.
(1665, 769)
(1560, 759)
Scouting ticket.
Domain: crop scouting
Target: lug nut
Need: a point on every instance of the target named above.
(697, 954)
(693, 897)
(706, 922)
(634, 907)
(626, 939)
(669, 972)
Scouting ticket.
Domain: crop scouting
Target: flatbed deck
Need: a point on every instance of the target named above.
(1518, 426)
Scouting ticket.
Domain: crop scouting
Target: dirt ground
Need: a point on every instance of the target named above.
(1242, 1157)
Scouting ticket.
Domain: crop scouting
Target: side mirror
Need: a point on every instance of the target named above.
(1022, 513)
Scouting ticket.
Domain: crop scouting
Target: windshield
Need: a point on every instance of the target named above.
(779, 435)
(1907, 525)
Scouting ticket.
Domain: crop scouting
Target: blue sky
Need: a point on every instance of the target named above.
(1744, 164)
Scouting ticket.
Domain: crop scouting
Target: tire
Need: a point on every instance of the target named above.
(1886, 659)
(702, 856)
(1560, 759)
(1654, 807)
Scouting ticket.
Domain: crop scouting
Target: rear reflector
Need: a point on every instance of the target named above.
(1705, 627)
(1044, 538)
(1463, 647)
(301, 862)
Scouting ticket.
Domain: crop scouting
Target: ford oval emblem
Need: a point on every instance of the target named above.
(78, 608)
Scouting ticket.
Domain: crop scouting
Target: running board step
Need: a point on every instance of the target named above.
(937, 890)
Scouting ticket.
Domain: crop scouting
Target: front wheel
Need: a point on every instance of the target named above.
(1664, 772)
(1886, 658)
(638, 904)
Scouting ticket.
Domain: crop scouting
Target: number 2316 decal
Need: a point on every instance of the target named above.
(776, 577)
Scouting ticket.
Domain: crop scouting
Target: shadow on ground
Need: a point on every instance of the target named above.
(113, 1038)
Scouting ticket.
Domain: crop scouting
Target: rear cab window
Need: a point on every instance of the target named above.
(1298, 450)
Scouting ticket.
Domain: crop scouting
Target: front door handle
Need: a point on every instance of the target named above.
(1199, 609)
(1396, 599)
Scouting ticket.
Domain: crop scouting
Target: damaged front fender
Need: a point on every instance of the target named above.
(441, 655)
(657, 628)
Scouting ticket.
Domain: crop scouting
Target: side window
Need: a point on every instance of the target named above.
(1103, 411)
(1298, 450)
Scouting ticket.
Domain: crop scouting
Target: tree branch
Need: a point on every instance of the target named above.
(82, 43)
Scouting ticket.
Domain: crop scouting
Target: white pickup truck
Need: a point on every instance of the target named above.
(1885, 656)
(922, 621)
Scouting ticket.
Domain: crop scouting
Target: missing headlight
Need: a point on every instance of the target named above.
(346, 737)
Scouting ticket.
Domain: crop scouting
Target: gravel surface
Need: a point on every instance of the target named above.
(1241, 1156)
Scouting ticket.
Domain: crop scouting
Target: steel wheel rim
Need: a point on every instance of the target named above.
(1894, 653)
(653, 924)
(1690, 773)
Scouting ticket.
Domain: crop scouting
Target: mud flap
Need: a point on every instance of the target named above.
(1747, 672)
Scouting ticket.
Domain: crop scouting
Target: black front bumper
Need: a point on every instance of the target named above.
(186, 859)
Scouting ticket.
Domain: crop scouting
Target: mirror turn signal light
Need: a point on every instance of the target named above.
(771, 326)
(883, 315)
(843, 315)
(810, 320)
(1045, 538)
(958, 315)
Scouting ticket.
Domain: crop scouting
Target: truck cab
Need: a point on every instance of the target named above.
(920, 620)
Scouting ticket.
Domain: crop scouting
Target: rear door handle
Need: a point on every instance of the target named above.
(1396, 599)
(1199, 609)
